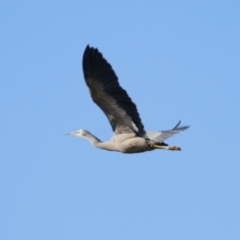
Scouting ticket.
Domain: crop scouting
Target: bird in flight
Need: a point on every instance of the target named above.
(129, 135)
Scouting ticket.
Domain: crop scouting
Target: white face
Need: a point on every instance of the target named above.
(79, 133)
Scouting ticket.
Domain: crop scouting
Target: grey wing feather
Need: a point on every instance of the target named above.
(109, 95)
(161, 136)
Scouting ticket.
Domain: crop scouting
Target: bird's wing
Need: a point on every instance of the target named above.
(109, 95)
(160, 136)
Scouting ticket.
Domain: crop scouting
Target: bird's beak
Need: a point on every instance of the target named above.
(70, 133)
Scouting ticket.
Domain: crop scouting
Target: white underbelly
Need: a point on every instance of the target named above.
(133, 145)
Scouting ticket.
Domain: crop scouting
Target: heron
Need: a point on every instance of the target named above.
(129, 135)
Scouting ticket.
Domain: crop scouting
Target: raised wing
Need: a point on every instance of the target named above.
(109, 95)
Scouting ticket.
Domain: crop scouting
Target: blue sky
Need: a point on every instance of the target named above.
(178, 60)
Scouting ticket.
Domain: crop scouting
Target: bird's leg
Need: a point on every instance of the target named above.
(173, 148)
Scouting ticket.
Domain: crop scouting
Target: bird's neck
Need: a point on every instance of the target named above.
(99, 144)
(93, 140)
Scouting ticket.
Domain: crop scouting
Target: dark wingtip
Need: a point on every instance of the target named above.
(89, 51)
(90, 48)
(91, 61)
(86, 49)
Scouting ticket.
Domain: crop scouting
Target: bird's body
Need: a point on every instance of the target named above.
(129, 134)
(125, 143)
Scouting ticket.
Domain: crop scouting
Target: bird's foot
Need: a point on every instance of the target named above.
(174, 148)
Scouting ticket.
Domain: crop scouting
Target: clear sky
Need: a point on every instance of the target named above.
(178, 60)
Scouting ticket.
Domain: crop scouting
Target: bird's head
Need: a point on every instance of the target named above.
(79, 133)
